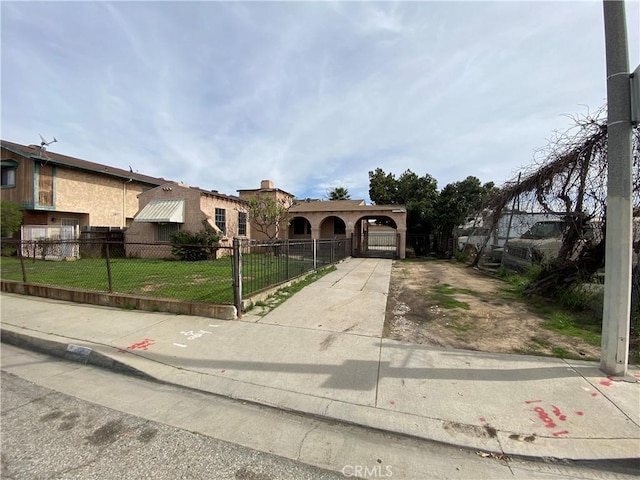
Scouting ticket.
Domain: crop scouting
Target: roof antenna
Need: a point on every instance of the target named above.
(42, 149)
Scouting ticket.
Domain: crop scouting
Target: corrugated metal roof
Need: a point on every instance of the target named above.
(162, 211)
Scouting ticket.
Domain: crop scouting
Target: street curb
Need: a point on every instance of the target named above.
(87, 355)
(69, 351)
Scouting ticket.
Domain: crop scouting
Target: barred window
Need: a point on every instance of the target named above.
(221, 220)
(164, 231)
(242, 223)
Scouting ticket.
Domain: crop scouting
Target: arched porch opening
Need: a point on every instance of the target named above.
(376, 236)
(299, 228)
(333, 227)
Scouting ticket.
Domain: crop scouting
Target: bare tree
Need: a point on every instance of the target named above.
(268, 214)
(569, 179)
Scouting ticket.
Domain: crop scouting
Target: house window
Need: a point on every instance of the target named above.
(8, 170)
(221, 220)
(164, 231)
(242, 224)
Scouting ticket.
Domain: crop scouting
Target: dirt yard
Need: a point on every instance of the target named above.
(451, 305)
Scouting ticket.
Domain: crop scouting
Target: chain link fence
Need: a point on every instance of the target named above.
(195, 273)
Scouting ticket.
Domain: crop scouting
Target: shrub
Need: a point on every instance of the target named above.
(193, 247)
(10, 218)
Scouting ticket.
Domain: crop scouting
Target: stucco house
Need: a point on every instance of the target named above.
(55, 189)
(176, 206)
(375, 229)
(318, 219)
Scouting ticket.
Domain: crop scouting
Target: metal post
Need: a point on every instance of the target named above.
(286, 252)
(617, 285)
(24, 271)
(237, 276)
(315, 254)
(108, 268)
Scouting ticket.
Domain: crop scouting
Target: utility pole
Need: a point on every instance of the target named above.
(617, 284)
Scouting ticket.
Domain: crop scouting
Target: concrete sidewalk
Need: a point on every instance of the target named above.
(322, 353)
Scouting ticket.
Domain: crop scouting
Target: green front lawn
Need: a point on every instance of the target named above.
(202, 281)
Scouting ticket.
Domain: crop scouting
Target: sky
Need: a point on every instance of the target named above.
(312, 95)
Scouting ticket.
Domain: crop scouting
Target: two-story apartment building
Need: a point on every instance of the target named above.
(55, 189)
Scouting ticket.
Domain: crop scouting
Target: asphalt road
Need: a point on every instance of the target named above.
(47, 435)
(63, 420)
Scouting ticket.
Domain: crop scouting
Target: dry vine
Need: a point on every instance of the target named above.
(569, 179)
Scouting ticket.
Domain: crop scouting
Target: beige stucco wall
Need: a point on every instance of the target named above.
(322, 223)
(107, 201)
(198, 206)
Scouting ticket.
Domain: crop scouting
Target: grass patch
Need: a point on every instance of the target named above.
(564, 315)
(577, 326)
(447, 289)
(443, 296)
(446, 301)
(560, 352)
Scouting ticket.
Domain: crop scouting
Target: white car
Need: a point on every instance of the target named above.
(472, 243)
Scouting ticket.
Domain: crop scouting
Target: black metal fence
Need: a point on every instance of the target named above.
(197, 273)
(265, 264)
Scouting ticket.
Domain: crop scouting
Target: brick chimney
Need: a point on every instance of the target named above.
(266, 185)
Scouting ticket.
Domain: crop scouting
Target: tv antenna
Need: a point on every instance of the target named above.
(42, 149)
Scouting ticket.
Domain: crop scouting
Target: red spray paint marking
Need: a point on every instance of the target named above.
(122, 351)
(636, 375)
(143, 345)
(544, 416)
(556, 411)
(222, 371)
(594, 394)
(608, 382)
(482, 419)
(392, 402)
(532, 401)
(557, 434)
(580, 413)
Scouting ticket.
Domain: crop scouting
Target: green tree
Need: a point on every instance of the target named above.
(383, 188)
(456, 202)
(339, 193)
(418, 194)
(267, 215)
(10, 218)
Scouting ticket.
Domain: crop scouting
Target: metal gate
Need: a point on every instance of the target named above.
(377, 245)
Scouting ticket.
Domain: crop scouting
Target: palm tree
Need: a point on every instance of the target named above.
(339, 193)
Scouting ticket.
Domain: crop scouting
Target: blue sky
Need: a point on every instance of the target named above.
(311, 95)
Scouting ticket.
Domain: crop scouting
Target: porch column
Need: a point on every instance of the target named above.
(402, 234)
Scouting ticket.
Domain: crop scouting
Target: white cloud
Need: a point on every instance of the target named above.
(311, 95)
